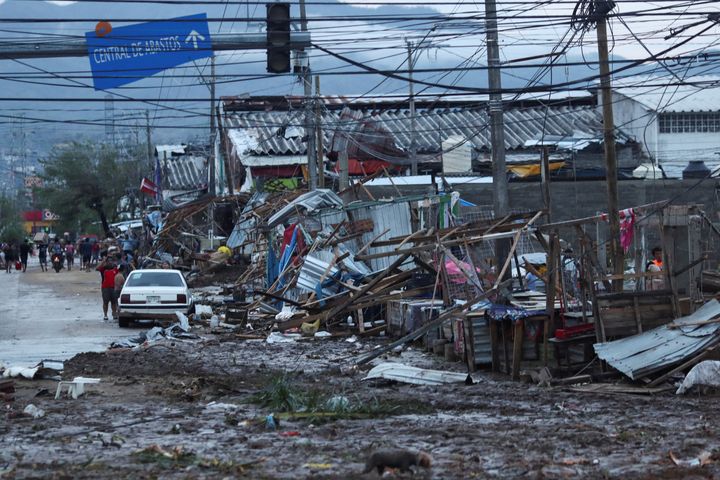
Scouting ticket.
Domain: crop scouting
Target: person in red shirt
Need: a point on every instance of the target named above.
(108, 269)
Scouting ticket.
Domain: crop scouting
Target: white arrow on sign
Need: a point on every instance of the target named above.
(193, 36)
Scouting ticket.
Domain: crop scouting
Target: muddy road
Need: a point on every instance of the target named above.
(199, 408)
(48, 315)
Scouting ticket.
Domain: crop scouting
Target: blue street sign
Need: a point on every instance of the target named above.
(127, 54)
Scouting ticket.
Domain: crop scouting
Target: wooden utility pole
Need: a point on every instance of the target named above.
(318, 131)
(602, 8)
(307, 83)
(501, 201)
(545, 181)
(212, 160)
(413, 128)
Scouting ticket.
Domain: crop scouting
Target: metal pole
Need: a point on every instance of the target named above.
(211, 169)
(501, 202)
(309, 116)
(616, 253)
(79, 48)
(413, 141)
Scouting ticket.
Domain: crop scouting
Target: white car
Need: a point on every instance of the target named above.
(153, 294)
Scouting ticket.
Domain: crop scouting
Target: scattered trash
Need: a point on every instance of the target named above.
(309, 329)
(338, 403)
(701, 460)
(352, 339)
(76, 387)
(417, 376)
(270, 422)
(318, 466)
(322, 334)
(203, 311)
(291, 433)
(174, 331)
(33, 411)
(184, 322)
(214, 321)
(705, 374)
(277, 337)
(17, 371)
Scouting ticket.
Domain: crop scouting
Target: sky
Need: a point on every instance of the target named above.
(175, 97)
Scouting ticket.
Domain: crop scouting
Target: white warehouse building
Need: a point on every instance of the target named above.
(674, 122)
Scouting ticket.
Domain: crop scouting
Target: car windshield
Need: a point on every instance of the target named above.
(155, 279)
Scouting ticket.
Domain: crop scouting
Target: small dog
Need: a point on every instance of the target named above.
(399, 459)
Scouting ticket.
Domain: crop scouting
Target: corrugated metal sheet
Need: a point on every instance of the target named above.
(269, 129)
(309, 202)
(392, 216)
(186, 172)
(648, 352)
(417, 376)
(482, 347)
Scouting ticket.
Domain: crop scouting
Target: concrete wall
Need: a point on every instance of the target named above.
(638, 121)
(583, 199)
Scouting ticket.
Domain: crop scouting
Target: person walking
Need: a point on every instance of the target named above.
(108, 270)
(42, 256)
(95, 252)
(86, 254)
(70, 255)
(10, 257)
(25, 249)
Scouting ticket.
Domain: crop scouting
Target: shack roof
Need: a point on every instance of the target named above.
(265, 127)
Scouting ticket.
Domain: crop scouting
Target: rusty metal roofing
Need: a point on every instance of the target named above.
(282, 132)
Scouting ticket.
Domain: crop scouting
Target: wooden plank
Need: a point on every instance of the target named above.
(517, 349)
(348, 302)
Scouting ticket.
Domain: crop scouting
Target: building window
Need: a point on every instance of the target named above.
(689, 122)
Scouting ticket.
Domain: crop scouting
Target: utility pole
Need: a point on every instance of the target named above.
(212, 160)
(318, 130)
(602, 8)
(147, 139)
(307, 83)
(413, 141)
(501, 199)
(545, 181)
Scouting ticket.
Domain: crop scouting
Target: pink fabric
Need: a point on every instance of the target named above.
(455, 274)
(627, 230)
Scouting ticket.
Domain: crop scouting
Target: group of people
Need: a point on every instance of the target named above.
(15, 256)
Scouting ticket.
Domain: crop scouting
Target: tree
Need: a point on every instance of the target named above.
(11, 229)
(83, 179)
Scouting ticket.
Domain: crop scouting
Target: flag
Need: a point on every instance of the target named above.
(149, 187)
(158, 180)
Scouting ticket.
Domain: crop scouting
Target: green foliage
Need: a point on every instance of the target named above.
(82, 180)
(287, 398)
(11, 229)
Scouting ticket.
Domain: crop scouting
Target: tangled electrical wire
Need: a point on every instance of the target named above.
(588, 12)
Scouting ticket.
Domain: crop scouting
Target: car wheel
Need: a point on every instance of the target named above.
(123, 322)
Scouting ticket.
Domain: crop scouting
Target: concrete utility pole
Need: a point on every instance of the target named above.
(212, 159)
(318, 131)
(602, 8)
(413, 128)
(307, 84)
(148, 140)
(501, 201)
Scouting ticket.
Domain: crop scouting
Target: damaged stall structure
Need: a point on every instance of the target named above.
(316, 262)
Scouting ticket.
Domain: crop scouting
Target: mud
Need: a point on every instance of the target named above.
(153, 416)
